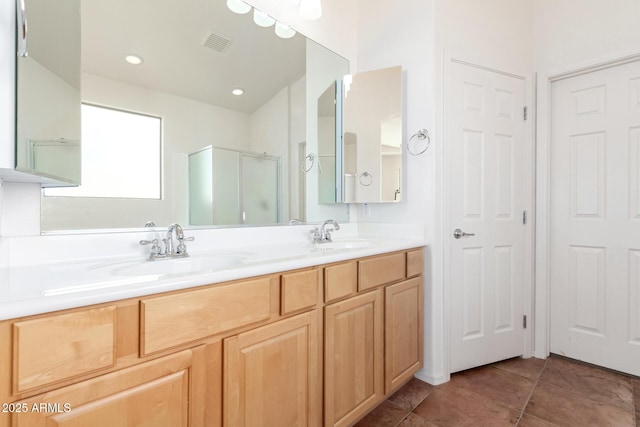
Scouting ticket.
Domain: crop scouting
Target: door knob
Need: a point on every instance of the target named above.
(457, 233)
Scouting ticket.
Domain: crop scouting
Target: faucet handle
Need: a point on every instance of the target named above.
(327, 235)
(155, 247)
(182, 248)
(315, 233)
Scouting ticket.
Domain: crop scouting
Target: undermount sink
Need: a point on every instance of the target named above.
(344, 244)
(187, 265)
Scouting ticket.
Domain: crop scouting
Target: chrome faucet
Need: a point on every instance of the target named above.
(171, 250)
(322, 234)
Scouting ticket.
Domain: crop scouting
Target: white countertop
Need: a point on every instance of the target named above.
(40, 286)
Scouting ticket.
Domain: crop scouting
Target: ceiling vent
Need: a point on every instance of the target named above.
(216, 42)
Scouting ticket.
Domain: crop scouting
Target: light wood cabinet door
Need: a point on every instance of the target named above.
(164, 392)
(403, 332)
(272, 375)
(353, 358)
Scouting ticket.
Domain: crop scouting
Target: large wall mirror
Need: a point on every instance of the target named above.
(192, 55)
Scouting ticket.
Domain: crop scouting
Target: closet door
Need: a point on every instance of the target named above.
(595, 217)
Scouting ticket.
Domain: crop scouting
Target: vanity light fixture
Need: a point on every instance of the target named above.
(134, 59)
(237, 91)
(238, 6)
(284, 31)
(262, 19)
(309, 9)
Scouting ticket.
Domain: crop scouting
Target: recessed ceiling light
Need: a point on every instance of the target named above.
(134, 59)
(237, 91)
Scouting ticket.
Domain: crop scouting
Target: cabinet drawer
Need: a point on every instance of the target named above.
(160, 393)
(62, 346)
(340, 280)
(175, 319)
(380, 270)
(415, 262)
(299, 291)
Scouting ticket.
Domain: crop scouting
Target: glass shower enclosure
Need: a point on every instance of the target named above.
(229, 187)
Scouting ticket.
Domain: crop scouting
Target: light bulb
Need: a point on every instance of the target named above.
(310, 9)
(262, 19)
(284, 31)
(237, 91)
(238, 6)
(134, 59)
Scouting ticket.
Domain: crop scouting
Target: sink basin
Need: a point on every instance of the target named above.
(344, 244)
(188, 265)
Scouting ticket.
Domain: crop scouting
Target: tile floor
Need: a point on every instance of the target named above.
(516, 392)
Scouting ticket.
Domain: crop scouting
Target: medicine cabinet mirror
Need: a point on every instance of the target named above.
(362, 130)
(48, 91)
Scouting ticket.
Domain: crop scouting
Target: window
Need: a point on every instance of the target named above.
(120, 155)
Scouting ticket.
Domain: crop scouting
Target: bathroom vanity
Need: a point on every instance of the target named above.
(322, 344)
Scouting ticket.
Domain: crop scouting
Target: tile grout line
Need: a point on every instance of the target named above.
(532, 391)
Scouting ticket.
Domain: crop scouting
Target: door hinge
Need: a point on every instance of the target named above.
(525, 113)
(525, 217)
(524, 321)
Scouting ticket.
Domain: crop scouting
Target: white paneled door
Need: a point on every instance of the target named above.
(486, 196)
(595, 217)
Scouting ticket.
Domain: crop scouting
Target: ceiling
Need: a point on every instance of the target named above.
(169, 36)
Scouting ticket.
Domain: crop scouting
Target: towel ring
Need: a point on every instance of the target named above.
(422, 135)
(368, 179)
(308, 158)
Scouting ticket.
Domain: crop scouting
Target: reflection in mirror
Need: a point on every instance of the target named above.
(193, 55)
(327, 145)
(372, 138)
(106, 134)
(245, 187)
(48, 93)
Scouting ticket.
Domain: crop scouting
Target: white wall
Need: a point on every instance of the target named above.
(573, 33)
(570, 35)
(403, 33)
